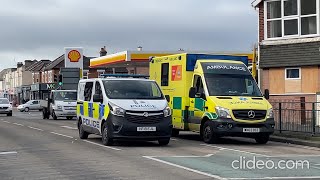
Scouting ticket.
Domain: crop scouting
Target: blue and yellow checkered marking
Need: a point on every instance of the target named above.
(93, 110)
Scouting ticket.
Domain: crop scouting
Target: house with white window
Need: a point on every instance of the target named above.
(289, 48)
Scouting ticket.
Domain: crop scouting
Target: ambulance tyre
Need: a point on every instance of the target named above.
(106, 140)
(164, 142)
(82, 133)
(208, 134)
(262, 139)
(175, 133)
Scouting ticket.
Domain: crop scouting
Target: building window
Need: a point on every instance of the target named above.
(293, 73)
(85, 74)
(291, 18)
(100, 73)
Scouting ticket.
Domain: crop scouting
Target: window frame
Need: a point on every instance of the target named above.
(291, 17)
(285, 73)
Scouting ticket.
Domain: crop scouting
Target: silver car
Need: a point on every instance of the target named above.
(30, 105)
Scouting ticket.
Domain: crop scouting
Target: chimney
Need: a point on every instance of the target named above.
(139, 48)
(19, 64)
(103, 51)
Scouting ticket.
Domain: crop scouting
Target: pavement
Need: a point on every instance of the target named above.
(33, 148)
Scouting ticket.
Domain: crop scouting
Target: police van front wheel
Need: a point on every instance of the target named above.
(82, 133)
(106, 140)
(208, 134)
(164, 142)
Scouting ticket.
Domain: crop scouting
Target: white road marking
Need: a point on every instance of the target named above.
(18, 124)
(62, 135)
(208, 155)
(229, 149)
(183, 167)
(102, 145)
(307, 177)
(68, 127)
(5, 153)
(173, 139)
(317, 164)
(7, 122)
(35, 128)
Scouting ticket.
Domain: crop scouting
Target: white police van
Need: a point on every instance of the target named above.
(123, 107)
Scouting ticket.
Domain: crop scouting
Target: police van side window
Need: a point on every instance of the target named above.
(81, 91)
(165, 74)
(88, 91)
(98, 89)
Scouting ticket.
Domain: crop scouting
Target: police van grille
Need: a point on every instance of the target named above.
(243, 114)
(140, 119)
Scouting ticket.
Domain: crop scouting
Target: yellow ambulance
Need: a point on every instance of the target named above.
(214, 95)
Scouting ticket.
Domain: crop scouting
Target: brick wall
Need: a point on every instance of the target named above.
(261, 21)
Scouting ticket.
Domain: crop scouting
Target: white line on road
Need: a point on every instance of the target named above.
(7, 122)
(68, 127)
(317, 164)
(307, 177)
(18, 124)
(208, 155)
(102, 145)
(35, 128)
(173, 139)
(183, 167)
(229, 149)
(5, 153)
(62, 135)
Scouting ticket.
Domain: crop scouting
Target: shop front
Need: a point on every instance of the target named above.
(42, 90)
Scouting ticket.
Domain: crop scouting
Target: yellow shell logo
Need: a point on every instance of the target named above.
(74, 56)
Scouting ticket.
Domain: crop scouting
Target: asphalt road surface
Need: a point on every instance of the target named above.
(33, 148)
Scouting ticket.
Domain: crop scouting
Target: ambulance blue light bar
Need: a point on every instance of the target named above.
(126, 75)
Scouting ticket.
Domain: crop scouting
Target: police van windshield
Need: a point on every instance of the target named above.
(131, 89)
(65, 96)
(232, 85)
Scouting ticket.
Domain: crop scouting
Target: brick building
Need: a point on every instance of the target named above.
(289, 48)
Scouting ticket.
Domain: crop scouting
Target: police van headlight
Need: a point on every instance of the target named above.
(223, 112)
(167, 112)
(270, 113)
(59, 107)
(117, 111)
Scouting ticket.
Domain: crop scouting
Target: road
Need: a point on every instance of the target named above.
(33, 148)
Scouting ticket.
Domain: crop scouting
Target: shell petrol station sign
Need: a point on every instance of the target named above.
(74, 57)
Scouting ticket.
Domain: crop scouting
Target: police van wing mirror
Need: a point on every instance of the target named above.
(97, 98)
(266, 94)
(192, 92)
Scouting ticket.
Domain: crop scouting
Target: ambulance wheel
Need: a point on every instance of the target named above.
(54, 116)
(208, 134)
(82, 133)
(106, 140)
(175, 132)
(262, 139)
(164, 142)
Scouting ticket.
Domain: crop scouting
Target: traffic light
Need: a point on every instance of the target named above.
(60, 80)
(55, 78)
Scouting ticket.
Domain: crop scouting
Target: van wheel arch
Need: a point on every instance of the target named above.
(79, 122)
(102, 123)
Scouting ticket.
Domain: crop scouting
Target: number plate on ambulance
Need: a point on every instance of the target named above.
(141, 129)
(251, 130)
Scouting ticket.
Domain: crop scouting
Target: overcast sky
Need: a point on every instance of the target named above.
(40, 29)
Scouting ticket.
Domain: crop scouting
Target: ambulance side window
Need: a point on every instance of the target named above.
(88, 91)
(98, 89)
(197, 83)
(165, 74)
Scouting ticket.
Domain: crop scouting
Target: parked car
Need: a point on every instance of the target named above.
(30, 105)
(5, 107)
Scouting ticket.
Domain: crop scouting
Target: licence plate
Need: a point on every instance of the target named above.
(251, 130)
(140, 129)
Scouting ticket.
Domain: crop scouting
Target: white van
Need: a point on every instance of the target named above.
(123, 108)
